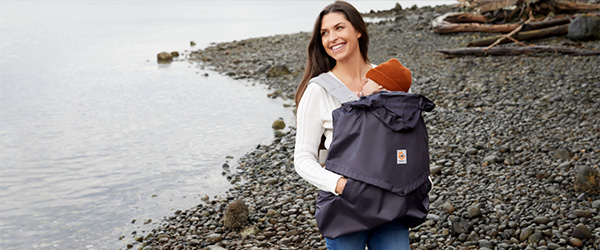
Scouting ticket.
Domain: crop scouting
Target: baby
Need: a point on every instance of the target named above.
(390, 76)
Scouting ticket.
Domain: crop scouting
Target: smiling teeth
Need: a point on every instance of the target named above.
(336, 47)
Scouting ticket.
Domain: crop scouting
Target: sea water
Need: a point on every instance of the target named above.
(98, 140)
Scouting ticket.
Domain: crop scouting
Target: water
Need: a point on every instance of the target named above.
(95, 134)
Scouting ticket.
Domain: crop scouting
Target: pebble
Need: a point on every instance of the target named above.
(541, 220)
(474, 212)
(532, 120)
(582, 232)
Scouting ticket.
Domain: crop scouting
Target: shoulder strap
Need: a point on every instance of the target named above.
(335, 87)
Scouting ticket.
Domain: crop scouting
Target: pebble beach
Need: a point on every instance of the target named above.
(514, 146)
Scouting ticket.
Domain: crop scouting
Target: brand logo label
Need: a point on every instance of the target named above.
(401, 156)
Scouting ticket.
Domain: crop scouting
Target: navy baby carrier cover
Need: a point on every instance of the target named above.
(388, 179)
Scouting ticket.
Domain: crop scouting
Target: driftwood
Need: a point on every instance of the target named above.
(526, 35)
(502, 51)
(484, 6)
(577, 6)
(455, 23)
(546, 23)
(441, 25)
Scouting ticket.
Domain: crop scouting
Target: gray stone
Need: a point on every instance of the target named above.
(460, 226)
(474, 212)
(525, 233)
(584, 27)
(448, 207)
(562, 154)
(486, 244)
(534, 238)
(541, 220)
(490, 159)
(471, 151)
(582, 213)
(582, 232)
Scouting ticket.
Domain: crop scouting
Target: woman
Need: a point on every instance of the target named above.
(338, 47)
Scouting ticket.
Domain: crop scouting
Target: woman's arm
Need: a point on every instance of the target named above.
(312, 111)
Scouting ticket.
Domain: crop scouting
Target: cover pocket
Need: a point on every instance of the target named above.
(349, 190)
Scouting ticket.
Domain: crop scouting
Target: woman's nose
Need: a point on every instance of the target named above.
(333, 36)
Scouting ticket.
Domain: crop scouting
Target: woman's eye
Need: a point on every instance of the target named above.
(339, 28)
(324, 33)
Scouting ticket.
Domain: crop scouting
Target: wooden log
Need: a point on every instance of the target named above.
(546, 23)
(577, 6)
(484, 6)
(441, 26)
(503, 51)
(526, 35)
(464, 17)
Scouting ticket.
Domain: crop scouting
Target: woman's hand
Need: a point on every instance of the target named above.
(341, 183)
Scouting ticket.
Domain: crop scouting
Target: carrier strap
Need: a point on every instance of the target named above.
(335, 87)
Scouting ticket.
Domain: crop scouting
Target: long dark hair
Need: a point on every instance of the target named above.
(318, 60)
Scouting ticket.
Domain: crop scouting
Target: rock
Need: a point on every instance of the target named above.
(236, 215)
(272, 181)
(575, 242)
(587, 180)
(192, 43)
(251, 230)
(175, 54)
(213, 238)
(278, 70)
(435, 169)
(582, 232)
(448, 208)
(474, 211)
(460, 226)
(534, 238)
(164, 57)
(565, 165)
(596, 204)
(471, 151)
(582, 213)
(490, 159)
(278, 124)
(562, 154)
(486, 244)
(584, 27)
(541, 220)
(525, 233)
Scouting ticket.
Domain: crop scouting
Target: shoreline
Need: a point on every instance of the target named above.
(506, 146)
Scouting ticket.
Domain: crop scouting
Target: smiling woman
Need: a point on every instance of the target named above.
(338, 48)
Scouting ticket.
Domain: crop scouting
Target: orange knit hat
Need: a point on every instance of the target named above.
(391, 75)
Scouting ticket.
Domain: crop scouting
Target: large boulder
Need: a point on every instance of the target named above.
(584, 27)
(236, 215)
(587, 180)
(279, 70)
(278, 124)
(164, 57)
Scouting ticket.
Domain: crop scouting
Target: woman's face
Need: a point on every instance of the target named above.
(339, 37)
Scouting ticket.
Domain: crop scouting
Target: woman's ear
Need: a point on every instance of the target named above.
(359, 34)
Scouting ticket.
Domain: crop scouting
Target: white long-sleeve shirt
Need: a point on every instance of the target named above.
(313, 119)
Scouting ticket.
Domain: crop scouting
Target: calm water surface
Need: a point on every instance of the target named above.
(95, 134)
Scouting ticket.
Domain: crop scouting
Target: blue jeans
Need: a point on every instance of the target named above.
(393, 235)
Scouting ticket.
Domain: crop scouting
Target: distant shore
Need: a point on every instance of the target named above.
(508, 137)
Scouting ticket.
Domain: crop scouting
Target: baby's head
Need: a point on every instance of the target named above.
(390, 75)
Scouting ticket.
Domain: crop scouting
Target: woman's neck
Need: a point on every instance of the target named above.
(352, 73)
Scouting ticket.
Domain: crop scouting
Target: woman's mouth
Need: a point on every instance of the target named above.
(337, 47)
